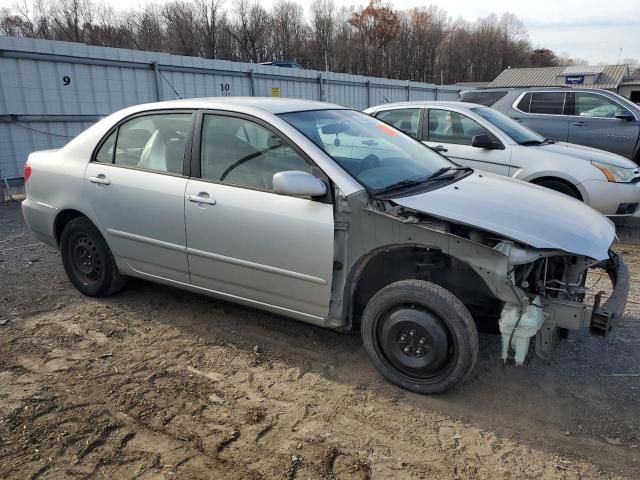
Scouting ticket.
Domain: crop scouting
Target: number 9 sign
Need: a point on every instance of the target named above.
(66, 80)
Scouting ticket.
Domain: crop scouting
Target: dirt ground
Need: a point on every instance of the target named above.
(157, 383)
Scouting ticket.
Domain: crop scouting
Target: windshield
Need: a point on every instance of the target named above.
(518, 132)
(374, 153)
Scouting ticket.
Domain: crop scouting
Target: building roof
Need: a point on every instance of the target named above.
(606, 77)
(583, 70)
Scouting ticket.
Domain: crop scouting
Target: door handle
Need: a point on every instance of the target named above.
(439, 148)
(200, 198)
(100, 180)
(578, 124)
(517, 119)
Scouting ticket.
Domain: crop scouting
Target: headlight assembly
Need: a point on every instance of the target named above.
(613, 173)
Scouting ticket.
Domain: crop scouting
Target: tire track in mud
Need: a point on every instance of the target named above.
(136, 402)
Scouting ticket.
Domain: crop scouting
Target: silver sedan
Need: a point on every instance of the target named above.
(483, 138)
(329, 216)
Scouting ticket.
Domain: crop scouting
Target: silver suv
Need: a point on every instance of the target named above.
(595, 118)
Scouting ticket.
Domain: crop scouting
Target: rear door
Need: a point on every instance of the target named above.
(545, 113)
(594, 124)
(451, 133)
(136, 184)
(244, 240)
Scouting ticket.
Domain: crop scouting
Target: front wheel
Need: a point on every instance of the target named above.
(420, 336)
(87, 259)
(560, 187)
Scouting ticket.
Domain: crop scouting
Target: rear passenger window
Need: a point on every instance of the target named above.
(405, 119)
(525, 103)
(241, 152)
(154, 142)
(547, 103)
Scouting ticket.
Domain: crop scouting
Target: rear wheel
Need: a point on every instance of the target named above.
(87, 259)
(559, 186)
(420, 336)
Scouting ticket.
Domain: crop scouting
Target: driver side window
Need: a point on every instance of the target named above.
(596, 106)
(241, 152)
(453, 127)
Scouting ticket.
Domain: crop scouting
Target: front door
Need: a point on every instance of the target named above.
(245, 241)
(594, 124)
(451, 133)
(136, 186)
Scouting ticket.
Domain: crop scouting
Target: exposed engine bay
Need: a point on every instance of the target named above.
(534, 292)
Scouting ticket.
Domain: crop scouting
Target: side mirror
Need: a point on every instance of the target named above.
(483, 141)
(298, 184)
(624, 115)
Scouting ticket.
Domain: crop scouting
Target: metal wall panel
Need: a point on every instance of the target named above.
(50, 91)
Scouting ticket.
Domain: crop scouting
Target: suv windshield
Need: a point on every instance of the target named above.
(374, 153)
(518, 132)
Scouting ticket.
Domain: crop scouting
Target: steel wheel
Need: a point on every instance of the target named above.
(86, 260)
(420, 336)
(416, 342)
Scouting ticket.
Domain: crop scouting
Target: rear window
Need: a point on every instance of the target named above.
(547, 103)
(482, 98)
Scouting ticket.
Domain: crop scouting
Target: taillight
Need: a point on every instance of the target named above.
(27, 172)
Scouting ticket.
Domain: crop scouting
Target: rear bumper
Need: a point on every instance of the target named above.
(40, 217)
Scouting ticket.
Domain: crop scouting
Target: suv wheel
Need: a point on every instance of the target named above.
(88, 261)
(420, 336)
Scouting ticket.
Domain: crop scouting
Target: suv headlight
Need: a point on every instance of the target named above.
(613, 173)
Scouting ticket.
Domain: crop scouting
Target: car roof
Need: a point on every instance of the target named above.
(526, 89)
(427, 103)
(244, 104)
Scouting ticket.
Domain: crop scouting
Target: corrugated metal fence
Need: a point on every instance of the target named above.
(51, 91)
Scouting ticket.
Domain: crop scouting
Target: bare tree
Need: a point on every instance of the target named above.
(211, 21)
(289, 31)
(180, 23)
(323, 26)
(70, 17)
(378, 26)
(421, 44)
(145, 29)
(250, 30)
(25, 19)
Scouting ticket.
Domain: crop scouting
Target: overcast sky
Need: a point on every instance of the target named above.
(595, 30)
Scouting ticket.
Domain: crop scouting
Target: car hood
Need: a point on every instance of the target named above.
(519, 211)
(586, 153)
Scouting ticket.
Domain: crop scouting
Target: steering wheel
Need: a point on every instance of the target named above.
(369, 162)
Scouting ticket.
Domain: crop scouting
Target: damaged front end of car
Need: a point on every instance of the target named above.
(544, 291)
(552, 297)
(530, 292)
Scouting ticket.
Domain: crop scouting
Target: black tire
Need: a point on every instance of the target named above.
(88, 261)
(440, 323)
(559, 186)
